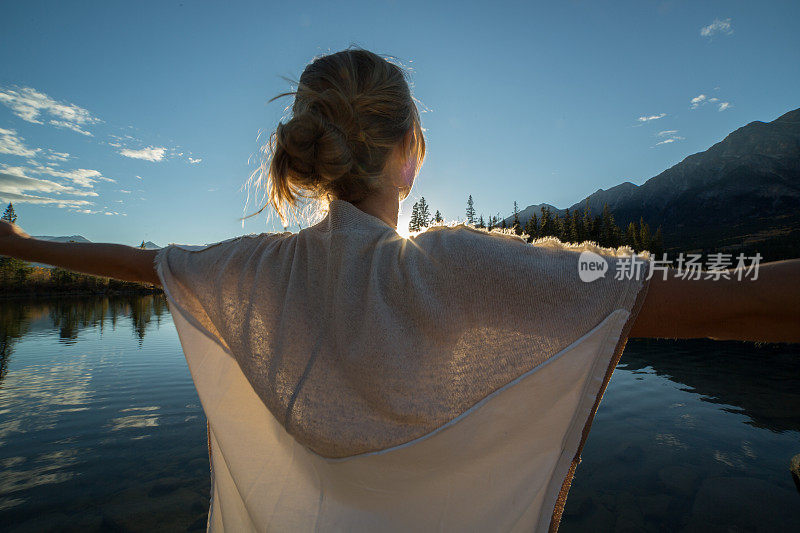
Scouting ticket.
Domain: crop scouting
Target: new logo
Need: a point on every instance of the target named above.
(591, 266)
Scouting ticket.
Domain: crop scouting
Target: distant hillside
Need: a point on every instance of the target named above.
(79, 238)
(71, 238)
(744, 191)
(531, 210)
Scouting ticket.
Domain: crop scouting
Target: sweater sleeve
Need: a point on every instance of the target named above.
(553, 292)
(206, 283)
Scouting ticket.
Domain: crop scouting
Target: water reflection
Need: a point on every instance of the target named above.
(692, 436)
(13, 325)
(101, 433)
(761, 382)
(69, 316)
(98, 432)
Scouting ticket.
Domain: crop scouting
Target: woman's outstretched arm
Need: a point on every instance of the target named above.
(765, 309)
(109, 260)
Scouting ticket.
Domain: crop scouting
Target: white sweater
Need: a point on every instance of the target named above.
(356, 380)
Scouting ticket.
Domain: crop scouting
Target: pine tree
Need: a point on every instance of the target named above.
(532, 228)
(575, 227)
(658, 243)
(424, 214)
(470, 210)
(587, 228)
(632, 236)
(562, 223)
(559, 227)
(413, 224)
(644, 235)
(10, 215)
(438, 217)
(609, 232)
(597, 227)
(481, 222)
(546, 225)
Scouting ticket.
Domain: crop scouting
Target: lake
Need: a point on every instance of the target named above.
(101, 429)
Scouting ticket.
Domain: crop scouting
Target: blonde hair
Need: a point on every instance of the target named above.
(350, 110)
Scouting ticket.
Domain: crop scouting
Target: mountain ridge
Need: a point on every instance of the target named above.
(741, 190)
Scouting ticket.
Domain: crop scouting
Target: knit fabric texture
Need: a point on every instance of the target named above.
(357, 339)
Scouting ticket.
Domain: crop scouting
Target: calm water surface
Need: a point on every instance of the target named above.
(101, 429)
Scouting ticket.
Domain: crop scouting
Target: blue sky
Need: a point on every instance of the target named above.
(159, 104)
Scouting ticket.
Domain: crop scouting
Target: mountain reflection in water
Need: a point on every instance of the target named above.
(101, 428)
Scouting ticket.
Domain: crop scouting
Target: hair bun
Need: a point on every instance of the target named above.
(318, 149)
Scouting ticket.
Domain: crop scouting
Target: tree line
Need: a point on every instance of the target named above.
(571, 226)
(421, 216)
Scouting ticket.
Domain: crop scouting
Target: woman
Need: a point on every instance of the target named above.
(356, 380)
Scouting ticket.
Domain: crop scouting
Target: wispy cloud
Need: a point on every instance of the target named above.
(15, 186)
(702, 99)
(70, 126)
(667, 137)
(646, 118)
(124, 191)
(33, 199)
(670, 140)
(718, 26)
(18, 184)
(38, 108)
(187, 155)
(57, 156)
(99, 212)
(697, 101)
(12, 144)
(151, 153)
(82, 177)
(135, 148)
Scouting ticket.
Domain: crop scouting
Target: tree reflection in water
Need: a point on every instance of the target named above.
(760, 381)
(69, 316)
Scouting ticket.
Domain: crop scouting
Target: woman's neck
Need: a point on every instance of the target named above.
(384, 204)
